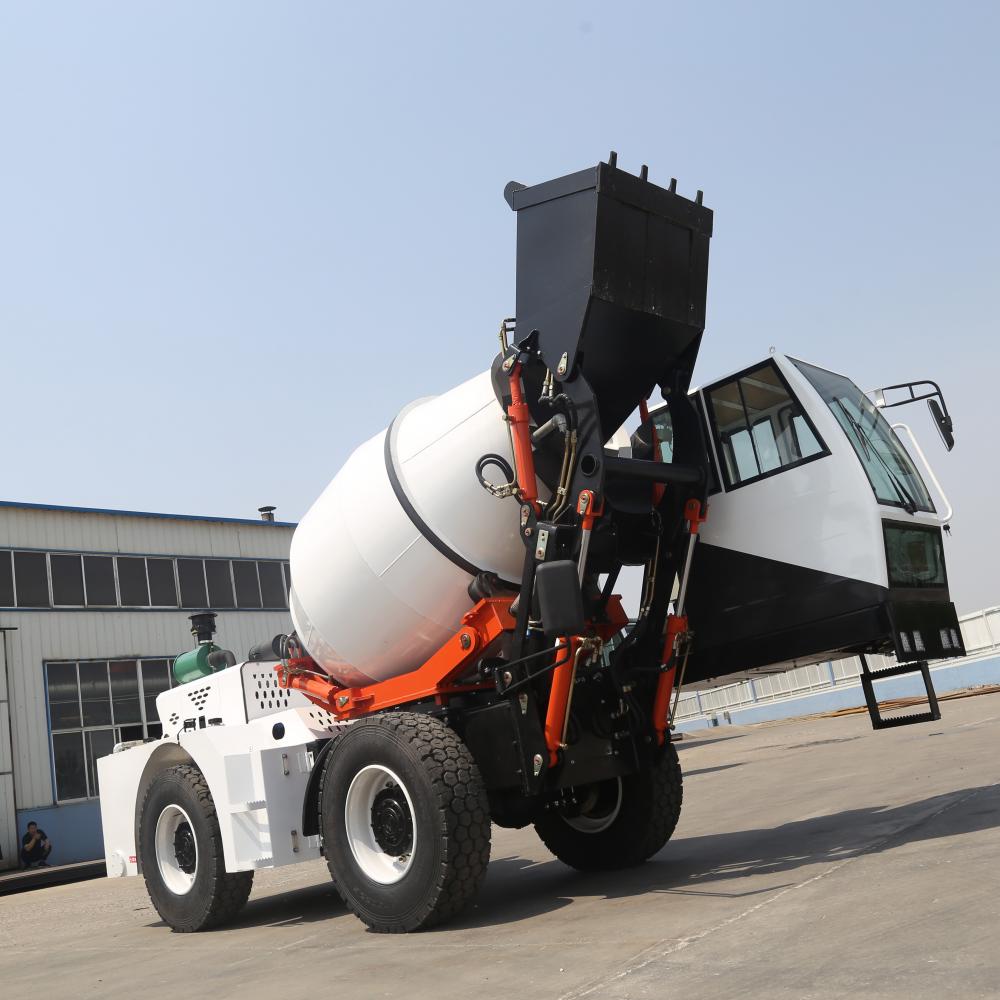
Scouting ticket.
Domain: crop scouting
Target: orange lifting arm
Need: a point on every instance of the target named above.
(487, 621)
(676, 626)
(561, 694)
(520, 427)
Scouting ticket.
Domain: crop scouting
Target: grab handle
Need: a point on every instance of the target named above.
(945, 518)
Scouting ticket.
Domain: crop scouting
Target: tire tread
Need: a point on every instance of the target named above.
(458, 785)
(630, 840)
(228, 891)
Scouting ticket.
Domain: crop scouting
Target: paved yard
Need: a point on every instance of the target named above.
(813, 859)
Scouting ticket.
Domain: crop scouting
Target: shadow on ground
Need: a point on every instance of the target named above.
(518, 888)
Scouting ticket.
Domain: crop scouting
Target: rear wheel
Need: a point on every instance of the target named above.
(180, 848)
(405, 821)
(617, 823)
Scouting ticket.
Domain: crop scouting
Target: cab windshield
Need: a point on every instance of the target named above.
(890, 471)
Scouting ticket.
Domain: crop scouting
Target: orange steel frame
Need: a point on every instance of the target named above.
(435, 678)
(438, 677)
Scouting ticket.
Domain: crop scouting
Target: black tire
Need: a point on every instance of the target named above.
(648, 809)
(435, 831)
(215, 896)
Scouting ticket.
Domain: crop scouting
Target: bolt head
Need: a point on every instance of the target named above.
(466, 640)
(342, 700)
(508, 677)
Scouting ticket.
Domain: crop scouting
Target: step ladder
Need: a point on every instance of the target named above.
(868, 678)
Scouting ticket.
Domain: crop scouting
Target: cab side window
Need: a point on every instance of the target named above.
(760, 427)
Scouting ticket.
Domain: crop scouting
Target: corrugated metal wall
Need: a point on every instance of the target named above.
(77, 531)
(73, 635)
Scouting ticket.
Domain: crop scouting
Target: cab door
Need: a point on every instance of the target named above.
(791, 563)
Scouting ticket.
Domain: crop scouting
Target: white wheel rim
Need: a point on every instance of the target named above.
(375, 861)
(174, 839)
(600, 815)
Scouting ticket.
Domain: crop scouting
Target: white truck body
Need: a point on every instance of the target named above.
(253, 742)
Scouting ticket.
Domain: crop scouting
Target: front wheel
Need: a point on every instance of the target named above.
(405, 821)
(180, 848)
(617, 823)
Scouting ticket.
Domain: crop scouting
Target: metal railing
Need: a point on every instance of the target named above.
(980, 632)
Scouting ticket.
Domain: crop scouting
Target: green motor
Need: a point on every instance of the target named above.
(194, 664)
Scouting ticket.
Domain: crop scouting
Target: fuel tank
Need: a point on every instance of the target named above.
(382, 561)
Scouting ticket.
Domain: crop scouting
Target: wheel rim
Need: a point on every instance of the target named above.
(378, 815)
(176, 850)
(601, 805)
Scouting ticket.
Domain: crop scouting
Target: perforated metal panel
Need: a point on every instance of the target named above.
(263, 696)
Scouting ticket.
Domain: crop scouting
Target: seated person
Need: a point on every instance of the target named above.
(35, 847)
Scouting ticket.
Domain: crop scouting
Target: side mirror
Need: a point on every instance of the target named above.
(943, 423)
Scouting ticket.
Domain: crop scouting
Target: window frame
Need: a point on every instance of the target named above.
(177, 585)
(716, 435)
(259, 606)
(52, 583)
(44, 553)
(114, 726)
(118, 580)
(228, 565)
(282, 578)
(889, 524)
(898, 503)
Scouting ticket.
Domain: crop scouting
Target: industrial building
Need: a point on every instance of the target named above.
(94, 605)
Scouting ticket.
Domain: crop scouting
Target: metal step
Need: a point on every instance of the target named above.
(868, 678)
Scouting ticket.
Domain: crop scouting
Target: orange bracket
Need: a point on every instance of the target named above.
(694, 515)
(487, 621)
(588, 509)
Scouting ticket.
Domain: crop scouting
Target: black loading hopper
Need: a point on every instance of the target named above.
(612, 273)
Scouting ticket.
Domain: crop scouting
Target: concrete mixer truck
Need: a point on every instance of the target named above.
(460, 657)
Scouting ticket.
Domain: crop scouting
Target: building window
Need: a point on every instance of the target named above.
(132, 583)
(220, 583)
(92, 580)
(99, 572)
(94, 704)
(67, 580)
(272, 585)
(247, 584)
(162, 584)
(31, 579)
(6, 580)
(191, 576)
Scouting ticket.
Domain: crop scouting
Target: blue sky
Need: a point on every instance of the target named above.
(236, 238)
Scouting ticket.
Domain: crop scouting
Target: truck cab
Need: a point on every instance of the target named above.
(822, 538)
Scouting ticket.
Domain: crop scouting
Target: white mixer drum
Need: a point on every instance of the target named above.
(382, 561)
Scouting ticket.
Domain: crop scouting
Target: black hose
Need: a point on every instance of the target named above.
(501, 463)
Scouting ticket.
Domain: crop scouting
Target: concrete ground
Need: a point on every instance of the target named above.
(814, 859)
